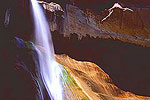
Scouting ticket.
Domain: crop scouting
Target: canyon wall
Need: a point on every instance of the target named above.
(115, 44)
(126, 63)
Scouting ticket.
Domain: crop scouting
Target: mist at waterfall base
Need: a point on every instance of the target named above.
(49, 68)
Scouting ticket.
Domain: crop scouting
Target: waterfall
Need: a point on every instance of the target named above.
(49, 68)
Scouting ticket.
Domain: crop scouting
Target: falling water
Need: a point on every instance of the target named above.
(49, 69)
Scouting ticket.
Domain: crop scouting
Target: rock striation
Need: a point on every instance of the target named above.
(128, 24)
(93, 81)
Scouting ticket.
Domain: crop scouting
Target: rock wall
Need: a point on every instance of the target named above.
(93, 81)
(126, 63)
(117, 22)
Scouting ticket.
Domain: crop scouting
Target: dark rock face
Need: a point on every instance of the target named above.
(20, 19)
(135, 3)
(16, 82)
(127, 64)
(103, 4)
(128, 21)
(20, 73)
(96, 5)
(20, 78)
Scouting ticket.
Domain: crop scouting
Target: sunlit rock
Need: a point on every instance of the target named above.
(93, 81)
(55, 15)
(52, 7)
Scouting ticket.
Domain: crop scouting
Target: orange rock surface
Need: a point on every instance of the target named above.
(94, 82)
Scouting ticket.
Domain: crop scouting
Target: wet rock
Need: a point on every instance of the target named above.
(20, 76)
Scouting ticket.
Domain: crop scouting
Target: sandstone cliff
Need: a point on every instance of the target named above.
(93, 81)
(129, 24)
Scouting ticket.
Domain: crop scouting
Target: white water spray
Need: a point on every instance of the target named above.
(49, 68)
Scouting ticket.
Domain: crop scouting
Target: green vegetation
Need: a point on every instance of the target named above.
(29, 44)
(84, 98)
(66, 78)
